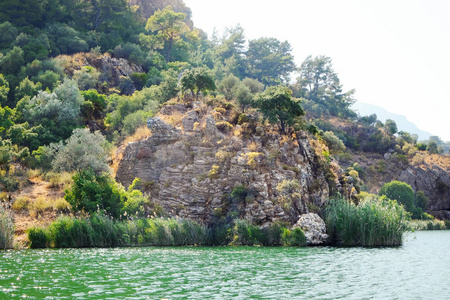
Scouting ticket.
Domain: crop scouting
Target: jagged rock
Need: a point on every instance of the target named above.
(314, 228)
(435, 183)
(190, 180)
(112, 69)
(159, 128)
(188, 122)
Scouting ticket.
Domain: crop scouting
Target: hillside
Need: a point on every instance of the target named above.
(112, 108)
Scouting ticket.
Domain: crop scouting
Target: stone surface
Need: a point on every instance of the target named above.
(314, 228)
(180, 164)
(434, 181)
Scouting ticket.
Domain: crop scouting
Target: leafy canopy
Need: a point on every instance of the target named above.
(277, 106)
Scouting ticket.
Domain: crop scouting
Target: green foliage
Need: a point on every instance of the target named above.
(169, 26)
(390, 126)
(333, 142)
(39, 237)
(295, 237)
(227, 86)
(4, 90)
(12, 61)
(269, 61)
(319, 83)
(197, 80)
(400, 191)
(101, 231)
(145, 101)
(277, 106)
(82, 150)
(376, 221)
(6, 229)
(92, 192)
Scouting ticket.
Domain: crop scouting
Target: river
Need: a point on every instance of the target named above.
(420, 269)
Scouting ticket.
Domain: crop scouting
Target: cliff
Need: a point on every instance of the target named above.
(196, 171)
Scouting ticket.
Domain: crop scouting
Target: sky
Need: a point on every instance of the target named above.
(394, 53)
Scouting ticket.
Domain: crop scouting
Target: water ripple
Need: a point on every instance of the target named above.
(418, 270)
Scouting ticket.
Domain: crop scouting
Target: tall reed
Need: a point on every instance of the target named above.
(6, 229)
(376, 221)
(101, 231)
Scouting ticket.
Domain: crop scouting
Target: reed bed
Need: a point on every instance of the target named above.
(6, 229)
(376, 221)
(102, 231)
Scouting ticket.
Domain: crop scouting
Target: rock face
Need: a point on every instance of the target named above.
(434, 181)
(112, 69)
(314, 228)
(196, 171)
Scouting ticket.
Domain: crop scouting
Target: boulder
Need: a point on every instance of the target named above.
(314, 228)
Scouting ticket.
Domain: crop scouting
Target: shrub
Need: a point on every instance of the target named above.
(422, 201)
(224, 126)
(400, 191)
(91, 192)
(21, 203)
(6, 229)
(39, 206)
(333, 142)
(295, 237)
(81, 151)
(38, 237)
(61, 205)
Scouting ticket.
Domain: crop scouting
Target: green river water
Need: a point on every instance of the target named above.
(420, 269)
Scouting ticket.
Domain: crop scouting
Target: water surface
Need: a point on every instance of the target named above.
(420, 269)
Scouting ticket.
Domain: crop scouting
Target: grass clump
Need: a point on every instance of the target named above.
(376, 221)
(6, 229)
(21, 203)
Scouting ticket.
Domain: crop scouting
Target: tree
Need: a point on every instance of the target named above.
(4, 90)
(168, 25)
(197, 80)
(227, 86)
(278, 106)
(390, 126)
(400, 191)
(269, 61)
(319, 83)
(62, 105)
(83, 150)
(12, 61)
(8, 34)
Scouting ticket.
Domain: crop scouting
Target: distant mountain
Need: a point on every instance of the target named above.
(365, 109)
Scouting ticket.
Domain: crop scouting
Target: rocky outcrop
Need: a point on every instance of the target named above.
(314, 228)
(196, 171)
(112, 69)
(434, 181)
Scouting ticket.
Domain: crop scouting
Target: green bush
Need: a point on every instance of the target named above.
(400, 191)
(295, 237)
(38, 237)
(91, 192)
(376, 221)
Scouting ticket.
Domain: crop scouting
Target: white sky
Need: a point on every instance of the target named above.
(395, 53)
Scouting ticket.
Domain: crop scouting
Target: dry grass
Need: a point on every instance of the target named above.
(140, 134)
(253, 146)
(174, 119)
(21, 203)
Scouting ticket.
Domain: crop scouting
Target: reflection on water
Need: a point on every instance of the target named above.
(417, 270)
